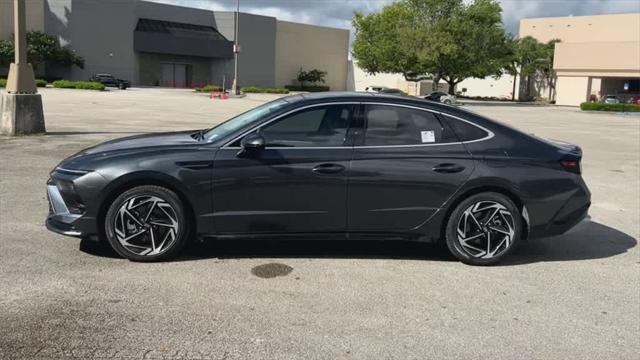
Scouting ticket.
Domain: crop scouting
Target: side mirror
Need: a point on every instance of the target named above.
(252, 143)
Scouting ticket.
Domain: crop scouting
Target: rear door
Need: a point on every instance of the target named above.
(404, 169)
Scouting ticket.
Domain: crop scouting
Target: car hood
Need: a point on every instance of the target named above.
(82, 159)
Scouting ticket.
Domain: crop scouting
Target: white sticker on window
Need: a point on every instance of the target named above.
(428, 136)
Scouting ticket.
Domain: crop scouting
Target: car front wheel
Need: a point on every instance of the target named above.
(483, 229)
(147, 223)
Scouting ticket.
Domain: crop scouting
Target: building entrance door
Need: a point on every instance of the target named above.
(175, 75)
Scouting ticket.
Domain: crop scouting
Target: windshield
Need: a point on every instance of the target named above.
(238, 122)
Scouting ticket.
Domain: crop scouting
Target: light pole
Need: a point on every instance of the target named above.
(21, 105)
(236, 51)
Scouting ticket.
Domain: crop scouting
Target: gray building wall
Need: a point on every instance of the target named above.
(257, 38)
(99, 31)
(102, 32)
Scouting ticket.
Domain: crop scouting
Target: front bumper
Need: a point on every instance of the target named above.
(60, 219)
(72, 199)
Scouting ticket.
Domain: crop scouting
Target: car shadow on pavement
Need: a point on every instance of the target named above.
(588, 241)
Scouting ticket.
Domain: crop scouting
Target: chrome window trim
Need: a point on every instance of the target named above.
(490, 133)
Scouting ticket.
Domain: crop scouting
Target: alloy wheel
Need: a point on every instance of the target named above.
(485, 230)
(146, 225)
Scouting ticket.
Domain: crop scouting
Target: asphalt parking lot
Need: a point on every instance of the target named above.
(576, 296)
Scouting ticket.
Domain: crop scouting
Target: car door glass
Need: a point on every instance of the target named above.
(465, 131)
(393, 125)
(323, 126)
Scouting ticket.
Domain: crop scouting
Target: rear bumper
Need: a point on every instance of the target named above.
(573, 210)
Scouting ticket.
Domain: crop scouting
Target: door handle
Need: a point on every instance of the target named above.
(327, 168)
(448, 168)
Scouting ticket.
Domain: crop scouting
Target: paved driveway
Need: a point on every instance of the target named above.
(575, 296)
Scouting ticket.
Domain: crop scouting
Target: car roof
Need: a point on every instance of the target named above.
(356, 96)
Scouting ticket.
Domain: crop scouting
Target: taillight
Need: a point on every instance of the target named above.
(571, 165)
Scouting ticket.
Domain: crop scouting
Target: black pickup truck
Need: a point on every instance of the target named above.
(110, 80)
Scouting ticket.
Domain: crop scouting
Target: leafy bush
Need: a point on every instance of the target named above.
(89, 85)
(311, 77)
(39, 83)
(64, 84)
(261, 90)
(208, 88)
(311, 88)
(85, 85)
(598, 106)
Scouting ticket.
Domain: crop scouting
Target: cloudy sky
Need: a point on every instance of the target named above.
(338, 13)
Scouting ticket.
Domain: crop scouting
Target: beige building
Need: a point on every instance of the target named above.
(311, 47)
(597, 56)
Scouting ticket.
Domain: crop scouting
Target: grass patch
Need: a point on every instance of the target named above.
(264, 90)
(39, 83)
(208, 88)
(310, 88)
(597, 106)
(83, 85)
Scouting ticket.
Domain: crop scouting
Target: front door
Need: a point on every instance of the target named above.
(405, 167)
(296, 184)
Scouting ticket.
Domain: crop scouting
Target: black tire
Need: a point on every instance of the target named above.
(509, 221)
(174, 206)
(122, 86)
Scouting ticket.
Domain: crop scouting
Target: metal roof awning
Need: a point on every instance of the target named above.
(167, 37)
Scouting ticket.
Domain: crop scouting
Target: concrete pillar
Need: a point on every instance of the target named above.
(21, 109)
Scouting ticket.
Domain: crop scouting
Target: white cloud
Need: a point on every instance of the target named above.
(338, 13)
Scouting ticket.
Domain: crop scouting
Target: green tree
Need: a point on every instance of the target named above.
(546, 70)
(532, 59)
(441, 39)
(41, 49)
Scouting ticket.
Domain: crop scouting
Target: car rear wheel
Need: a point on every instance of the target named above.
(483, 229)
(147, 223)
(447, 102)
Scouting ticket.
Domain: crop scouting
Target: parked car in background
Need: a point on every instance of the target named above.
(110, 80)
(375, 89)
(439, 96)
(324, 166)
(611, 99)
(392, 91)
(635, 100)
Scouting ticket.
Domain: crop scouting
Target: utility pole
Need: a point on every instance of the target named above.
(236, 51)
(21, 111)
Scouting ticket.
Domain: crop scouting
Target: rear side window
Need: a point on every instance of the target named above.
(392, 125)
(466, 131)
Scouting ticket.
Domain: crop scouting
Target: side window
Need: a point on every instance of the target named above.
(323, 126)
(393, 125)
(466, 131)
